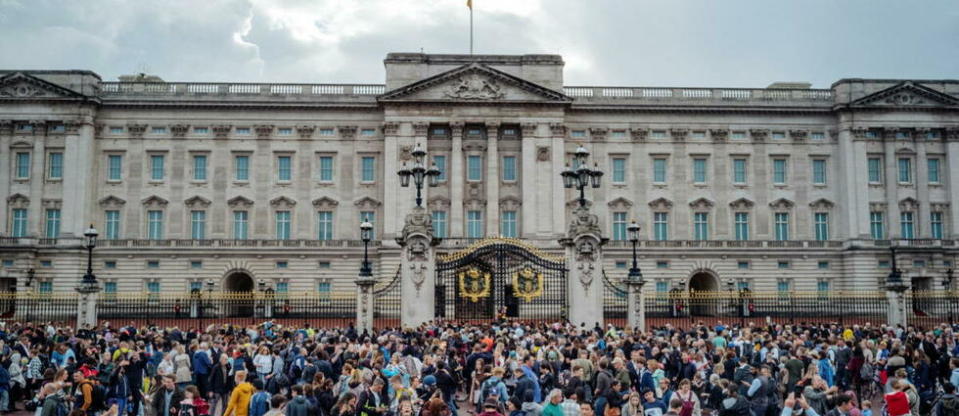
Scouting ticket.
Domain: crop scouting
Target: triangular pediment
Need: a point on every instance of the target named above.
(907, 94)
(475, 83)
(197, 201)
(21, 85)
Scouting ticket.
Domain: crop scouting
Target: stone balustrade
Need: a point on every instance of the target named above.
(687, 96)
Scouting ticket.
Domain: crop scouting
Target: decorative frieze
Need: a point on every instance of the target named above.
(598, 134)
(392, 128)
(179, 131)
(798, 134)
(305, 130)
(529, 129)
(263, 131)
(136, 130)
(639, 134)
(557, 129)
(759, 135)
(420, 129)
(222, 131)
(239, 201)
(679, 134)
(6, 127)
(952, 134)
(347, 132)
(719, 135)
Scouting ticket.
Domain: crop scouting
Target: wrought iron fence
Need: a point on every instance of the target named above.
(930, 308)
(39, 307)
(387, 304)
(614, 302)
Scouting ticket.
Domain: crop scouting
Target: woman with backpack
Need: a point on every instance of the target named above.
(691, 405)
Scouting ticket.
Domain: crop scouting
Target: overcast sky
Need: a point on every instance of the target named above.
(715, 43)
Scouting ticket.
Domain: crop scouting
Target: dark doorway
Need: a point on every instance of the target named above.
(238, 288)
(703, 288)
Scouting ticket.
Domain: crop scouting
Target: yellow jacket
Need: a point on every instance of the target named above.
(239, 404)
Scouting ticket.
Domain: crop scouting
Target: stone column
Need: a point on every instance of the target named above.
(635, 306)
(853, 205)
(892, 183)
(364, 304)
(87, 305)
(6, 168)
(924, 221)
(457, 178)
(584, 257)
(492, 179)
(557, 133)
(391, 184)
(527, 169)
(36, 216)
(896, 314)
(417, 269)
(79, 176)
(951, 165)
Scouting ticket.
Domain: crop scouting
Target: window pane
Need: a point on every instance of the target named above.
(701, 226)
(936, 219)
(661, 226)
(56, 166)
(19, 222)
(112, 231)
(23, 165)
(876, 225)
(739, 170)
(508, 224)
(474, 224)
(619, 226)
(619, 170)
(819, 172)
(53, 223)
(509, 168)
(284, 168)
(283, 225)
(156, 167)
(659, 170)
(326, 168)
(242, 168)
(474, 168)
(198, 225)
(369, 169)
(199, 167)
(114, 167)
(875, 170)
(779, 171)
(699, 170)
(742, 226)
(440, 162)
(240, 225)
(155, 225)
(439, 224)
(782, 226)
(370, 217)
(905, 170)
(324, 221)
(933, 170)
(822, 226)
(906, 225)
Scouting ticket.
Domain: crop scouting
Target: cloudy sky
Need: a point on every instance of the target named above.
(720, 43)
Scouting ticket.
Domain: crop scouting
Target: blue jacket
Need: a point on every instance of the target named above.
(4, 379)
(259, 403)
(537, 393)
(202, 363)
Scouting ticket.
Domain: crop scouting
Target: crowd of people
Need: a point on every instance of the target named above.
(493, 369)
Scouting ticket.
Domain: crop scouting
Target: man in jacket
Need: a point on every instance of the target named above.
(202, 364)
(299, 406)
(370, 402)
(166, 400)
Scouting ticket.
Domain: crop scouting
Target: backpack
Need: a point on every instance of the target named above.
(688, 405)
(487, 388)
(948, 406)
(98, 395)
(866, 372)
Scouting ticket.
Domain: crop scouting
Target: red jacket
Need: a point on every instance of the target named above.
(897, 403)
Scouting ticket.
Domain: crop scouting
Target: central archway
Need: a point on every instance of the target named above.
(238, 294)
(703, 291)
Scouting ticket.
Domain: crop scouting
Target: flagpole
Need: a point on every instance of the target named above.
(471, 28)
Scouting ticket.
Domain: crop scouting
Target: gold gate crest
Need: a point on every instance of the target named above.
(527, 284)
(474, 284)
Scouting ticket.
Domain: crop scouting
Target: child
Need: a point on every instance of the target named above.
(193, 403)
(866, 408)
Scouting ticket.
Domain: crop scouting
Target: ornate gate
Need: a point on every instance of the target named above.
(499, 276)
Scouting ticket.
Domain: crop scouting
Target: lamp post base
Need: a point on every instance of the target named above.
(87, 306)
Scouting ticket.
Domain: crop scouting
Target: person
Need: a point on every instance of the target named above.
(239, 403)
(688, 398)
(346, 405)
(202, 367)
(675, 407)
(299, 405)
(867, 408)
(167, 399)
(370, 402)
(571, 407)
(733, 404)
(817, 395)
(260, 401)
(844, 405)
(53, 404)
(948, 403)
(491, 408)
(278, 406)
(653, 406)
(552, 407)
(83, 392)
(633, 406)
(897, 402)
(220, 384)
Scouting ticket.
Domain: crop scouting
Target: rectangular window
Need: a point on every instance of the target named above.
(662, 287)
(474, 168)
(158, 130)
(822, 226)
(440, 162)
(779, 171)
(284, 131)
(368, 173)
(282, 264)
(618, 133)
(738, 135)
(241, 168)
(53, 223)
(196, 264)
(19, 223)
(46, 263)
(55, 170)
(326, 132)
(201, 130)
(783, 288)
(199, 167)
(659, 170)
(326, 168)
(282, 288)
(701, 226)
(241, 225)
(782, 226)
(198, 225)
(662, 264)
(877, 226)
(325, 265)
(324, 225)
(153, 289)
(739, 171)
(156, 167)
(439, 224)
(112, 231)
(283, 229)
(743, 265)
(474, 224)
(110, 288)
(620, 264)
(906, 225)
(823, 288)
(783, 265)
(619, 170)
(23, 165)
(817, 135)
(114, 167)
(936, 219)
(116, 130)
(742, 285)
(819, 172)
(284, 168)
(509, 168)
(242, 131)
(905, 170)
(577, 133)
(323, 288)
(658, 134)
(7, 263)
(507, 224)
(919, 264)
(875, 170)
(933, 165)
(823, 265)
(619, 226)
(779, 135)
(742, 226)
(370, 217)
(46, 287)
(699, 170)
(109, 264)
(883, 264)
(155, 225)
(661, 226)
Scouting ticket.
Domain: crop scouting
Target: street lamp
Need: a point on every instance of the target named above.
(946, 282)
(366, 234)
(419, 172)
(582, 176)
(894, 280)
(635, 275)
(91, 241)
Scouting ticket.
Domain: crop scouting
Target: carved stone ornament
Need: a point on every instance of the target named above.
(221, 131)
(263, 131)
(719, 135)
(305, 131)
(406, 153)
(347, 132)
(583, 223)
(417, 250)
(418, 222)
(679, 134)
(952, 134)
(179, 130)
(598, 133)
(798, 134)
(542, 154)
(136, 130)
(418, 274)
(586, 274)
(22, 90)
(639, 134)
(529, 129)
(419, 129)
(391, 128)
(759, 135)
(474, 87)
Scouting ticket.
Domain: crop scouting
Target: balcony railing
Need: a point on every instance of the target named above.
(666, 95)
(173, 89)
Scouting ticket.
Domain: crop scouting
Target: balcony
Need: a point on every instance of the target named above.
(664, 96)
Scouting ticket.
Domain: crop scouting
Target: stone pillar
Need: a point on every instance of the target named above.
(527, 169)
(854, 205)
(557, 134)
(635, 306)
(79, 175)
(891, 168)
(924, 220)
(492, 179)
(457, 178)
(391, 183)
(364, 304)
(584, 258)
(417, 269)
(6, 168)
(87, 305)
(896, 314)
(951, 167)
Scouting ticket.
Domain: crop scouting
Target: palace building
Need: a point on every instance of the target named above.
(252, 185)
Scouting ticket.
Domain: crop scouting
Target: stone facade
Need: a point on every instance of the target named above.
(776, 188)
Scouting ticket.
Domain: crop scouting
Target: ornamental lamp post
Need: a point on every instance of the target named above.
(636, 306)
(366, 234)
(582, 176)
(635, 275)
(419, 173)
(894, 280)
(89, 279)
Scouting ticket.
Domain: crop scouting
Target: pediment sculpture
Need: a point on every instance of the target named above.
(474, 87)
